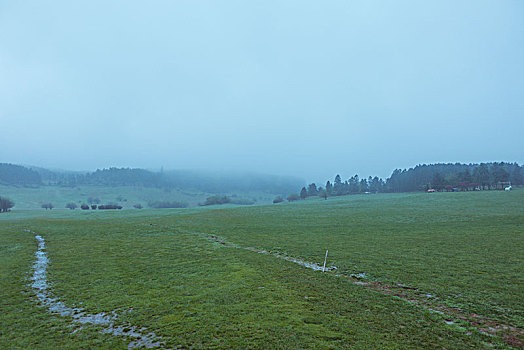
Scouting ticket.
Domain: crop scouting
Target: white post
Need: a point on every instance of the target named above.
(325, 259)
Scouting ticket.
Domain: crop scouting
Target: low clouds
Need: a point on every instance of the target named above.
(303, 89)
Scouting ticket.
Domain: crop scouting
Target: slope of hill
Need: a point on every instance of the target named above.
(11, 174)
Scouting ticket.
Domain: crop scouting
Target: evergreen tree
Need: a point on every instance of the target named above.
(363, 186)
(516, 176)
(481, 175)
(354, 184)
(438, 182)
(465, 176)
(498, 174)
(375, 184)
(312, 190)
(303, 193)
(337, 186)
(329, 188)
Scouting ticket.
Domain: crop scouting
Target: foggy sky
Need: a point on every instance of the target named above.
(306, 88)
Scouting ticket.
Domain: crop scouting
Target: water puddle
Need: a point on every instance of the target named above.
(140, 336)
(309, 265)
(300, 262)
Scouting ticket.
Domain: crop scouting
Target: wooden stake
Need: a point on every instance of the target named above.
(325, 259)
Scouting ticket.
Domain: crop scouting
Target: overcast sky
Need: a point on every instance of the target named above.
(306, 88)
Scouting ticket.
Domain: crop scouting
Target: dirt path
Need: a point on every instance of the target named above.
(139, 335)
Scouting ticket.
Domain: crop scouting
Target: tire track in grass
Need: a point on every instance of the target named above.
(139, 335)
(511, 335)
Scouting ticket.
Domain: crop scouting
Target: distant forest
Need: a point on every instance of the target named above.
(209, 182)
(11, 174)
(441, 177)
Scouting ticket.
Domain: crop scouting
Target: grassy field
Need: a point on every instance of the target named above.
(194, 277)
(127, 196)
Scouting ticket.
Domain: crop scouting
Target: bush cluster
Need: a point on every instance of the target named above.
(217, 200)
(6, 204)
(109, 206)
(278, 199)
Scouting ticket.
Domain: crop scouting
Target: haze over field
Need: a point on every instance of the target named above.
(308, 89)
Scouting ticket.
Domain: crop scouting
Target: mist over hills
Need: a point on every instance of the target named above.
(420, 177)
(205, 181)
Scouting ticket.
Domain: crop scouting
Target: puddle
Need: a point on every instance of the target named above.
(436, 311)
(360, 283)
(140, 336)
(300, 262)
(309, 265)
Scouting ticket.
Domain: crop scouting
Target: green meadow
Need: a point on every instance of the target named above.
(416, 270)
(29, 198)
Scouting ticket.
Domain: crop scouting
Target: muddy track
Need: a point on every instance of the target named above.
(511, 335)
(139, 336)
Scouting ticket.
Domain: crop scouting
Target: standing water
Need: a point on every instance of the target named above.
(80, 316)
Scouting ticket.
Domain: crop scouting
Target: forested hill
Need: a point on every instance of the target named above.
(121, 177)
(102, 177)
(179, 179)
(421, 177)
(11, 174)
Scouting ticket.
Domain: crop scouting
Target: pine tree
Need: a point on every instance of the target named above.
(516, 176)
(303, 193)
(329, 188)
(438, 181)
(312, 190)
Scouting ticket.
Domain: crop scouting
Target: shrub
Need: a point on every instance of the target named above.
(293, 197)
(48, 206)
(6, 204)
(278, 199)
(71, 206)
(109, 206)
(217, 200)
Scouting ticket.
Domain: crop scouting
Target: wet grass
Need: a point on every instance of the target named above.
(127, 196)
(465, 248)
(155, 269)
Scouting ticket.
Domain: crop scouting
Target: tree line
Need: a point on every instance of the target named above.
(353, 185)
(483, 176)
(176, 179)
(11, 174)
(441, 177)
